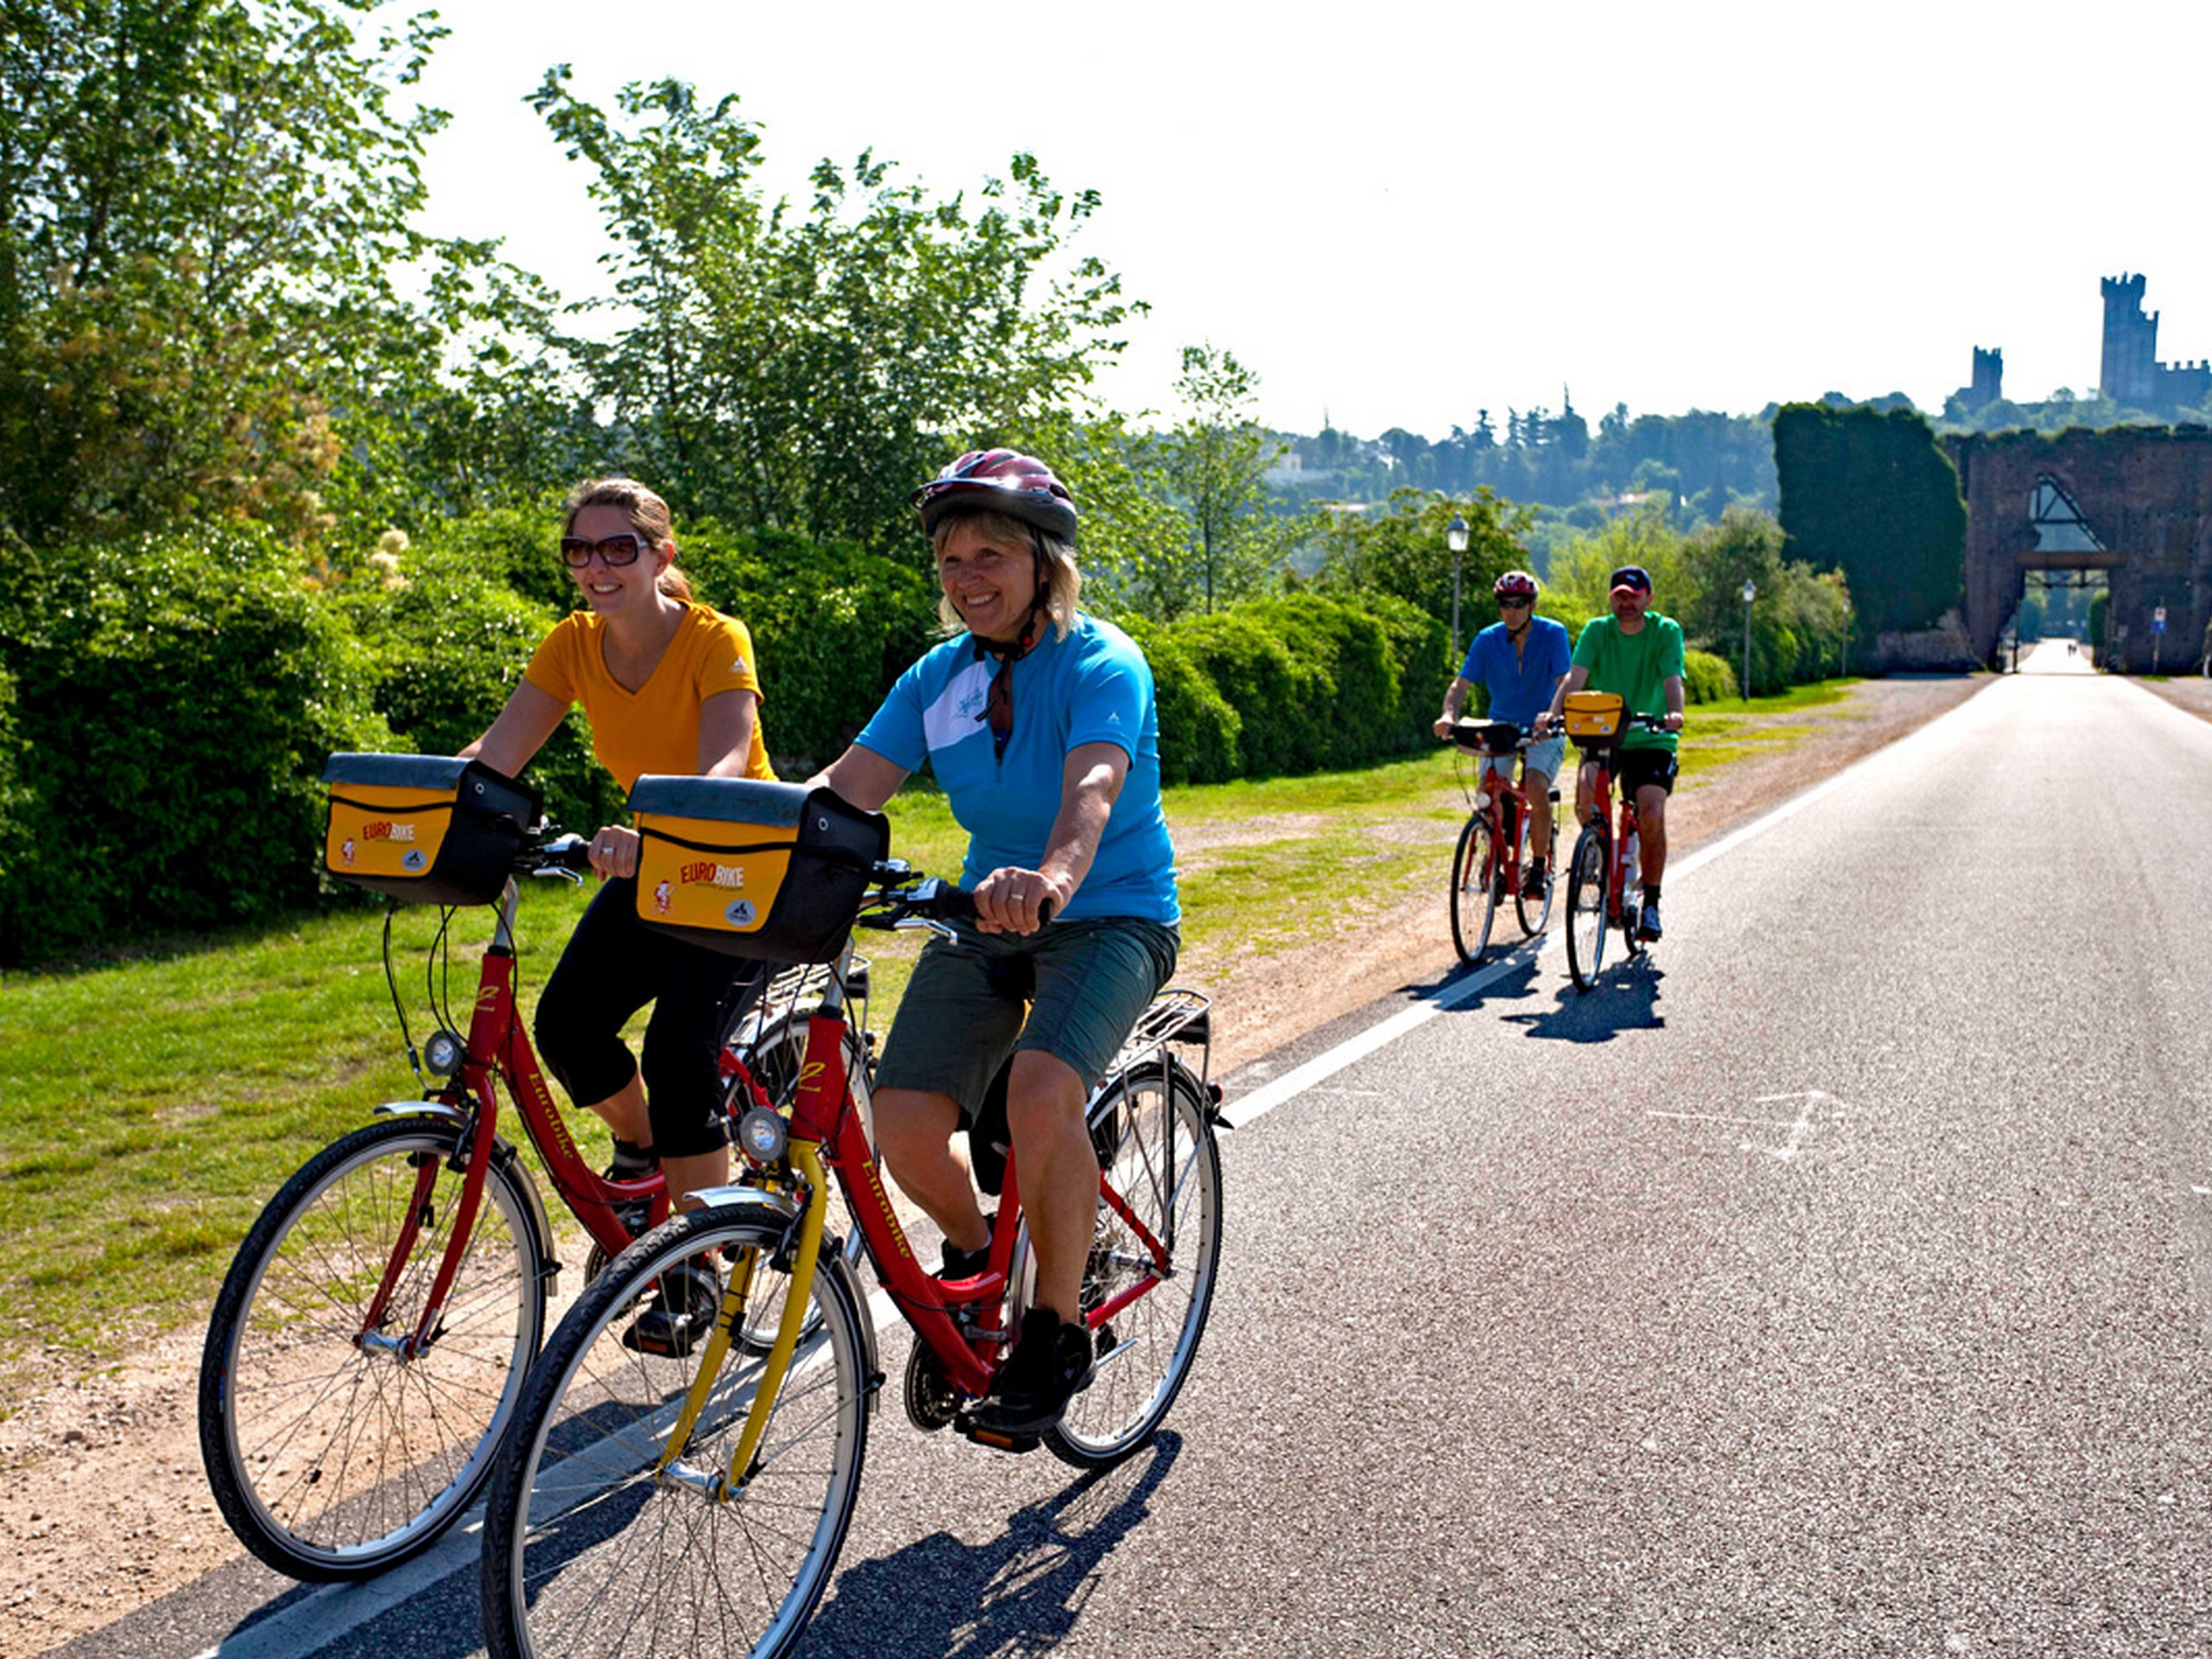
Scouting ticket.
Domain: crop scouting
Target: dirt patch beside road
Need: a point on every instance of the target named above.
(106, 1507)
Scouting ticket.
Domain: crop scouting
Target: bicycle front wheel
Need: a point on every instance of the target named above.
(333, 1454)
(1153, 1127)
(592, 1551)
(1474, 888)
(1586, 907)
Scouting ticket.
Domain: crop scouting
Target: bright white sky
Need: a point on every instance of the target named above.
(1403, 212)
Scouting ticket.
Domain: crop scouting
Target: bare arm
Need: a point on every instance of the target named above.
(726, 734)
(1672, 688)
(1575, 679)
(1011, 900)
(519, 732)
(863, 776)
(1455, 698)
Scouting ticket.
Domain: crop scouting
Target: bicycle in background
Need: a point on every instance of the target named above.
(1492, 851)
(675, 1501)
(1602, 884)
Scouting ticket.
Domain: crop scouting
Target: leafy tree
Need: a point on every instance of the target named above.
(204, 205)
(1403, 553)
(804, 369)
(1872, 494)
(1213, 465)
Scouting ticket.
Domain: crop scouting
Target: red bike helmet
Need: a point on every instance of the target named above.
(1515, 584)
(1019, 485)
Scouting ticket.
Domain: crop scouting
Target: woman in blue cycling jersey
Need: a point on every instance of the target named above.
(1038, 722)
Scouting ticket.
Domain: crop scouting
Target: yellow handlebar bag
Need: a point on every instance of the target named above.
(1594, 714)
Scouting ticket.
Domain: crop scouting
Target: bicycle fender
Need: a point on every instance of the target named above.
(420, 1108)
(848, 1276)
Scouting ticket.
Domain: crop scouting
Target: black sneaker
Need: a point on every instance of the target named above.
(1534, 883)
(631, 1163)
(967, 1264)
(682, 1314)
(1647, 925)
(1050, 1366)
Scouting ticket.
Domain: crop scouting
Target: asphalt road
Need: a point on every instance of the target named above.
(1835, 1283)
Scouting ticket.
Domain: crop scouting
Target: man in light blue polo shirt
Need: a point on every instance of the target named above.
(1518, 661)
(1039, 723)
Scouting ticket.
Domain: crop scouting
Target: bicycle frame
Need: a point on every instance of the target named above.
(499, 1045)
(1625, 833)
(822, 1117)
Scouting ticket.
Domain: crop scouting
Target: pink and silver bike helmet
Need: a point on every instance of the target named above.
(1515, 584)
(1019, 485)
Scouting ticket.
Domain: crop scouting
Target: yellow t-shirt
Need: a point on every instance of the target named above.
(656, 727)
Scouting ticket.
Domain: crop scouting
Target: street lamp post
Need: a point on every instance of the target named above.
(1751, 593)
(1455, 537)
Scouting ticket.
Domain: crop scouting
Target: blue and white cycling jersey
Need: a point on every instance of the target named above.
(1092, 687)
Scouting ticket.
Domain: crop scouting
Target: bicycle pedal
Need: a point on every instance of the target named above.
(1016, 1443)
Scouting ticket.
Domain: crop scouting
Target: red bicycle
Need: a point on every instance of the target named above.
(370, 1343)
(670, 1498)
(1603, 885)
(1492, 853)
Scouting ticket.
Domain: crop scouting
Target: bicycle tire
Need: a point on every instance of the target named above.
(1145, 1353)
(1632, 896)
(1586, 907)
(1474, 888)
(300, 1424)
(588, 1554)
(1539, 906)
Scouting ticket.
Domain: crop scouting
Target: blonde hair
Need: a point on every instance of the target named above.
(649, 517)
(1063, 582)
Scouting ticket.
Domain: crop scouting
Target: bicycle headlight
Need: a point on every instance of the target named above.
(442, 1053)
(762, 1135)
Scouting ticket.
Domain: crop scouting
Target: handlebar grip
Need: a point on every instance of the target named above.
(569, 852)
(951, 904)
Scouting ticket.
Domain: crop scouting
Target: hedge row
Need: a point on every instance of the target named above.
(1291, 685)
(166, 708)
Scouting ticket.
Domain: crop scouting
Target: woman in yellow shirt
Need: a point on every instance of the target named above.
(668, 687)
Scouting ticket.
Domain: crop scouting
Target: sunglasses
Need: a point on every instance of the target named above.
(1513, 603)
(577, 550)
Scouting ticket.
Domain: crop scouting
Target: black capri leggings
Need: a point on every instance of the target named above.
(613, 966)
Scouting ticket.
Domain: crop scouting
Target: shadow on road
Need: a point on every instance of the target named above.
(1625, 998)
(1021, 1592)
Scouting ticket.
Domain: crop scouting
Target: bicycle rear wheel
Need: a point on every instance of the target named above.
(1535, 909)
(589, 1551)
(1153, 1128)
(1474, 888)
(331, 1455)
(1631, 896)
(1586, 907)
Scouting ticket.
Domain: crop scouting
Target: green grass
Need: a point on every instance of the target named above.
(151, 1103)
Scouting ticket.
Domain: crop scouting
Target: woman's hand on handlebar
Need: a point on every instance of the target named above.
(615, 851)
(1012, 900)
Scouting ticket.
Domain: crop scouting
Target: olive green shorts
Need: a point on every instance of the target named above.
(961, 1015)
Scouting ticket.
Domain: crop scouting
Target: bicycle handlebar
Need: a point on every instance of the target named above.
(901, 898)
(552, 852)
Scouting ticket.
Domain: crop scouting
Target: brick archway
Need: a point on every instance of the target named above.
(2145, 495)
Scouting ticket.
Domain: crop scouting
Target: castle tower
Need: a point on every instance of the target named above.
(2128, 373)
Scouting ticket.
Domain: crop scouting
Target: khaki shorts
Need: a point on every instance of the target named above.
(962, 1013)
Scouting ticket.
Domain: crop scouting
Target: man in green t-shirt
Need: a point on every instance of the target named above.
(1637, 654)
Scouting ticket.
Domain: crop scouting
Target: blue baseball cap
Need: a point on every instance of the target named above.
(1631, 579)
